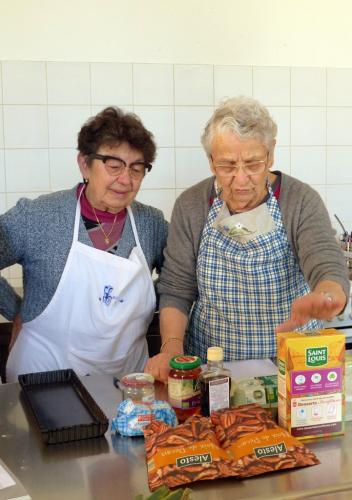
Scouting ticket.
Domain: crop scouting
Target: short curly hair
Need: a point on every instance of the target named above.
(244, 116)
(112, 127)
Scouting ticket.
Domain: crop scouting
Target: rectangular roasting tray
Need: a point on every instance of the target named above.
(62, 407)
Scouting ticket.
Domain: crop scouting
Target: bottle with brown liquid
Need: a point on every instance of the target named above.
(215, 383)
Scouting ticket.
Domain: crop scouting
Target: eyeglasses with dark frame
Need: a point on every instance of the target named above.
(230, 169)
(115, 166)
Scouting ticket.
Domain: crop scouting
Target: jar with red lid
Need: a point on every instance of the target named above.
(183, 387)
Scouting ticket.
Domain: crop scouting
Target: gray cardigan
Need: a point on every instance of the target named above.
(37, 234)
(308, 229)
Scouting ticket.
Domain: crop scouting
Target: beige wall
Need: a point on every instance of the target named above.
(241, 32)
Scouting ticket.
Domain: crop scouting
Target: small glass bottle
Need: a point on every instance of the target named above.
(215, 383)
(139, 387)
(183, 389)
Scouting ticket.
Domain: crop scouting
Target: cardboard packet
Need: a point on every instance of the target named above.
(311, 382)
(348, 386)
(261, 390)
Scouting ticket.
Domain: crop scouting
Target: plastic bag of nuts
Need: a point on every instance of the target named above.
(239, 442)
(184, 454)
(256, 443)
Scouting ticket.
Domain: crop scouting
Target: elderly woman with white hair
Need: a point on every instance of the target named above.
(250, 251)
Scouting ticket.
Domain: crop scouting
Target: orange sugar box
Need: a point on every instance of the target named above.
(311, 382)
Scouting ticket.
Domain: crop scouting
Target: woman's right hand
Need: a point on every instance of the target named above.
(16, 328)
(172, 327)
(158, 366)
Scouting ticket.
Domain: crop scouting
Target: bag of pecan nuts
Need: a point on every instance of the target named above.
(190, 452)
(239, 442)
(256, 443)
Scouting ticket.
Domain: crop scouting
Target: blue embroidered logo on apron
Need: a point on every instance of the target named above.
(108, 297)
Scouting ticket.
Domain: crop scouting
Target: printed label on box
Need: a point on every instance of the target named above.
(316, 381)
(313, 415)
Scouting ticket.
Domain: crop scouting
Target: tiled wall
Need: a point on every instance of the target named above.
(43, 105)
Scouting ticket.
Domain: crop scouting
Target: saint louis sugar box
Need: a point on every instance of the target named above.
(311, 382)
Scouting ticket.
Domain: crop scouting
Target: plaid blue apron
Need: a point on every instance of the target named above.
(245, 290)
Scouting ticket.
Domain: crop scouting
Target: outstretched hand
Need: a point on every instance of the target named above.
(314, 305)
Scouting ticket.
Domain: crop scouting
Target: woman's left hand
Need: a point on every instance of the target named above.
(323, 303)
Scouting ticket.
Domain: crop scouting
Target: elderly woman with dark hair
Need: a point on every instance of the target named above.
(250, 251)
(87, 255)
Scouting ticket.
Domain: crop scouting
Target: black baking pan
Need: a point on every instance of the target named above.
(62, 407)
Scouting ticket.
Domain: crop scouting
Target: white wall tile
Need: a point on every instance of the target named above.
(163, 199)
(1, 127)
(271, 86)
(189, 124)
(153, 84)
(16, 283)
(160, 121)
(15, 271)
(282, 160)
(2, 206)
(68, 83)
(176, 115)
(27, 170)
(64, 170)
(64, 124)
(192, 166)
(231, 81)
(282, 118)
(4, 272)
(2, 172)
(111, 83)
(24, 82)
(308, 87)
(308, 126)
(339, 85)
(339, 202)
(25, 126)
(339, 126)
(12, 198)
(194, 84)
(162, 175)
(339, 165)
(308, 164)
(1, 82)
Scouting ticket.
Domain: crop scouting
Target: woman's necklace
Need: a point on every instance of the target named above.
(106, 235)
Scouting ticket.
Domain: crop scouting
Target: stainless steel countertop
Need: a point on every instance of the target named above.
(113, 467)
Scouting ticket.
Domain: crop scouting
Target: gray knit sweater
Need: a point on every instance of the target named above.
(37, 234)
(305, 219)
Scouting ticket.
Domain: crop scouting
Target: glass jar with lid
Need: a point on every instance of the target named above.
(183, 388)
(139, 387)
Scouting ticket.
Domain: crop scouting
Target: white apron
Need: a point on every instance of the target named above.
(97, 320)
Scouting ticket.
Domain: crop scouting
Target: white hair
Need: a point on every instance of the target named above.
(244, 116)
